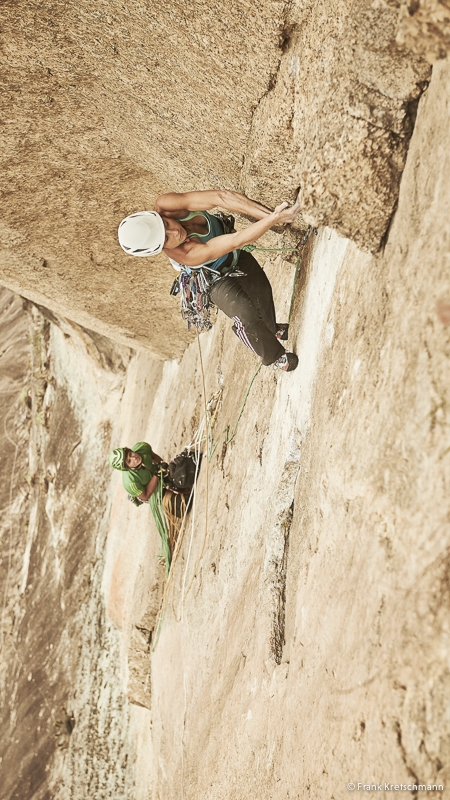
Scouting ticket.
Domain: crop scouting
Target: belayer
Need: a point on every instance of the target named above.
(207, 252)
(140, 469)
(143, 471)
(166, 487)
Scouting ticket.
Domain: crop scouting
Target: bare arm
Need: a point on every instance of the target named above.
(175, 204)
(195, 253)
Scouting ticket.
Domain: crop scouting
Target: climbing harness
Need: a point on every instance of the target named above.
(194, 286)
(194, 283)
(170, 507)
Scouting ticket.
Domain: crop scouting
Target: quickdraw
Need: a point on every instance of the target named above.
(194, 286)
(196, 305)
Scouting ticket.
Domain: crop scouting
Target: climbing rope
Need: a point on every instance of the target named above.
(228, 440)
(196, 446)
(183, 594)
(198, 441)
(249, 248)
(210, 449)
(161, 522)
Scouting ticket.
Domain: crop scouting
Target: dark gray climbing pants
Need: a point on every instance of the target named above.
(248, 300)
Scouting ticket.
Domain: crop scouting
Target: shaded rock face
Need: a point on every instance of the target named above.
(63, 712)
(14, 467)
(107, 107)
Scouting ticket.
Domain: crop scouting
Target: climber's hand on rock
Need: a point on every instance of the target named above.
(285, 213)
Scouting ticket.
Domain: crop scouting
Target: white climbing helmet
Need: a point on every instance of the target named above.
(142, 234)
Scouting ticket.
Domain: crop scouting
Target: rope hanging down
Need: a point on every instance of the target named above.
(203, 436)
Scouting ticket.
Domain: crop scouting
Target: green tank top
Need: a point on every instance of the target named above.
(215, 228)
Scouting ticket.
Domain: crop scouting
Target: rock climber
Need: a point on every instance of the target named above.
(166, 487)
(192, 238)
(140, 468)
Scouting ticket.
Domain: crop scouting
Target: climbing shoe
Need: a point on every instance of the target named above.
(287, 362)
(282, 331)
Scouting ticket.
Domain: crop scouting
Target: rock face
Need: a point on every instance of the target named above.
(338, 120)
(63, 711)
(14, 502)
(425, 27)
(305, 642)
(312, 581)
(108, 106)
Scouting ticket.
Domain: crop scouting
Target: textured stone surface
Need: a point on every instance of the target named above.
(424, 27)
(337, 122)
(106, 106)
(139, 686)
(305, 640)
(59, 394)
